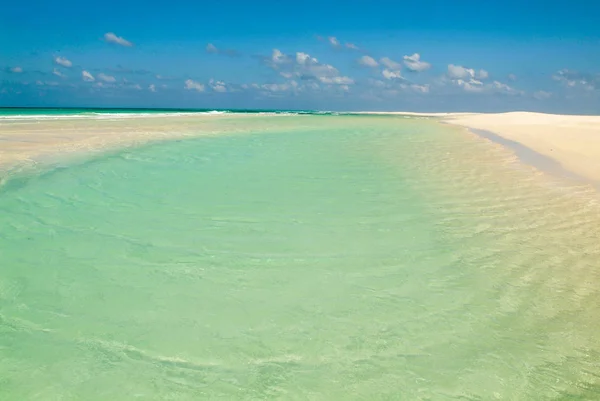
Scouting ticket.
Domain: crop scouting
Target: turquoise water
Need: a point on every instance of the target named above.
(74, 112)
(348, 258)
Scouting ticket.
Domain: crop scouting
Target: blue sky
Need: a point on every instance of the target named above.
(332, 55)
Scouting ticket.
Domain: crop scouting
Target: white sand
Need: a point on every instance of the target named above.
(573, 141)
(24, 141)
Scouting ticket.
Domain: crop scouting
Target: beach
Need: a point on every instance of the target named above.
(324, 257)
(573, 141)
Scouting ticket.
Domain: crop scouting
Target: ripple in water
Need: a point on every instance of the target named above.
(347, 258)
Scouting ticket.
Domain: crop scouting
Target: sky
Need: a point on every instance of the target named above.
(428, 55)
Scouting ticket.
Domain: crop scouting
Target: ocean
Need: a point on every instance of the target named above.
(299, 257)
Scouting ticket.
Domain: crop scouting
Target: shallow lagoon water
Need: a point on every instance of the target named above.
(335, 258)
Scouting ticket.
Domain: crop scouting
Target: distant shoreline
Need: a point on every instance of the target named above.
(570, 140)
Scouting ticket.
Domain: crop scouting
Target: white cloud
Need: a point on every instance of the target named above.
(303, 67)
(321, 70)
(352, 46)
(512, 77)
(542, 95)
(87, 76)
(277, 57)
(388, 74)
(500, 87)
(152, 88)
(337, 80)
(16, 70)
(136, 87)
(390, 64)
(63, 61)
(193, 85)
(578, 80)
(472, 85)
(217, 86)
(420, 88)
(333, 40)
(304, 58)
(414, 63)
(58, 73)
(460, 72)
(368, 61)
(112, 38)
(107, 78)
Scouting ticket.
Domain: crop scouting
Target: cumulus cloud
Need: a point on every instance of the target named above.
(15, 70)
(512, 77)
(58, 73)
(304, 59)
(351, 46)
(110, 37)
(276, 59)
(217, 86)
(414, 63)
(473, 85)
(460, 72)
(212, 49)
(500, 87)
(389, 74)
(390, 64)
(63, 61)
(420, 88)
(107, 78)
(87, 76)
(578, 80)
(333, 41)
(193, 85)
(368, 61)
(152, 88)
(304, 67)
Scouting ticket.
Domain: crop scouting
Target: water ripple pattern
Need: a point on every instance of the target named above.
(300, 258)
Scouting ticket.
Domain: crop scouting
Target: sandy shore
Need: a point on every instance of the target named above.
(573, 141)
(24, 141)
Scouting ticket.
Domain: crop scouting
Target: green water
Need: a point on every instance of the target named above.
(348, 258)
